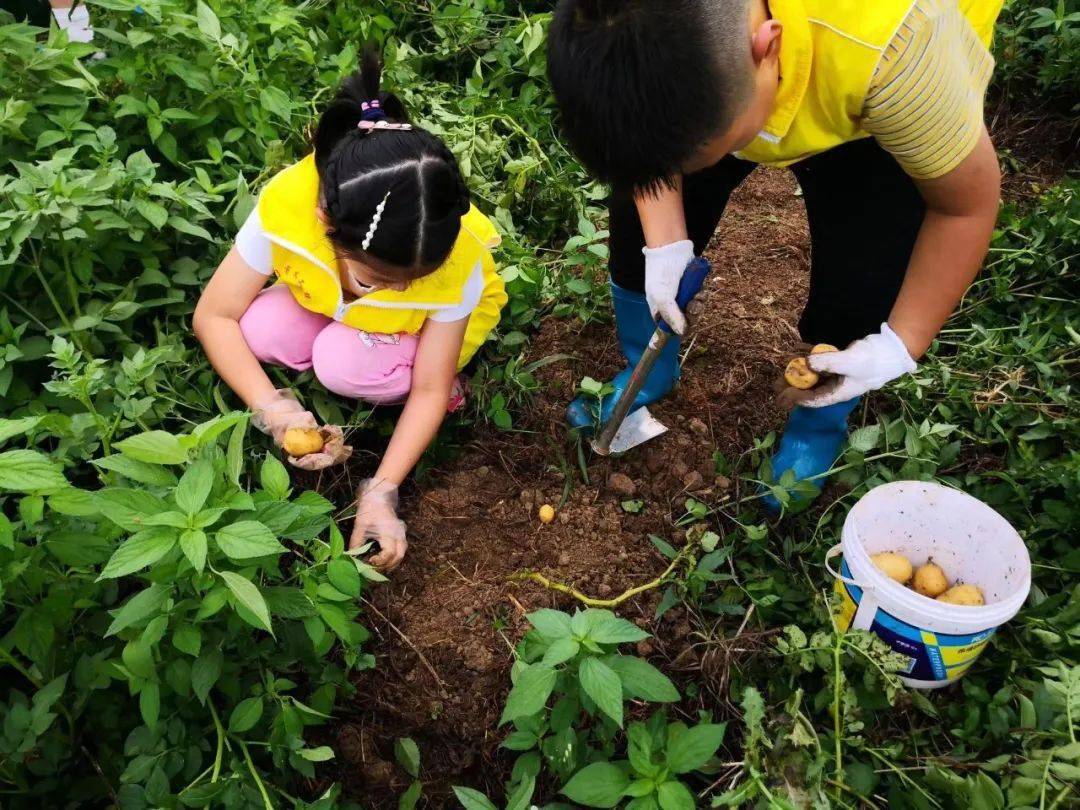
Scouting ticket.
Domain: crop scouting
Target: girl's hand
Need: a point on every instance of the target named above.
(281, 413)
(376, 519)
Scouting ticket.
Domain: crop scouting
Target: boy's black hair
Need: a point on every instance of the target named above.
(642, 84)
(428, 196)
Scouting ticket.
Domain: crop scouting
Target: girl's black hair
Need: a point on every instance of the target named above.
(357, 168)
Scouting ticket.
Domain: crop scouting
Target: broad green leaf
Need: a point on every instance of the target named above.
(641, 680)
(246, 539)
(205, 672)
(234, 454)
(675, 795)
(245, 715)
(692, 749)
(561, 651)
(323, 753)
(865, 439)
(613, 630)
(141, 606)
(598, 785)
(154, 447)
(473, 799)
(188, 639)
(248, 595)
(274, 478)
(73, 502)
(140, 550)
(29, 471)
(639, 749)
(193, 544)
(290, 603)
(604, 687)
(207, 21)
(343, 575)
(150, 704)
(17, 427)
(530, 693)
(583, 622)
(551, 624)
(129, 508)
(407, 754)
(138, 471)
(194, 487)
(410, 797)
(860, 777)
(985, 794)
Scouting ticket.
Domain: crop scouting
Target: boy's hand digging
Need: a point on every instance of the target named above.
(664, 268)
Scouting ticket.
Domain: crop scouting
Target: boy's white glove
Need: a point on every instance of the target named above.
(664, 268)
(865, 365)
(376, 519)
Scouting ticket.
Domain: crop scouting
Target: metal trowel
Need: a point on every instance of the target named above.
(624, 430)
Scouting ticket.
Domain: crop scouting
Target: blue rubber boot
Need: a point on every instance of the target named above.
(810, 444)
(634, 325)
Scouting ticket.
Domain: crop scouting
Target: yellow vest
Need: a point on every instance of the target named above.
(304, 259)
(829, 50)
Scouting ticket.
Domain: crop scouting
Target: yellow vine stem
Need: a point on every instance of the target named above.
(589, 601)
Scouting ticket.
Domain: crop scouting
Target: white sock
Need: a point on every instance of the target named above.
(76, 21)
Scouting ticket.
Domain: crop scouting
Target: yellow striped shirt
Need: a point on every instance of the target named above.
(925, 102)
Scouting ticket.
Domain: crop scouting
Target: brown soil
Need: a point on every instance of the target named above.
(446, 624)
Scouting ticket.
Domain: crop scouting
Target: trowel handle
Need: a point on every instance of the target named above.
(692, 281)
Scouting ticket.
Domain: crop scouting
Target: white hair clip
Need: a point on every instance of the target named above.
(374, 223)
(371, 126)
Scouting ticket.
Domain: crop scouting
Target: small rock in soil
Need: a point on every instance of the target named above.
(693, 481)
(679, 468)
(656, 460)
(723, 483)
(564, 559)
(603, 589)
(621, 484)
(699, 427)
(645, 648)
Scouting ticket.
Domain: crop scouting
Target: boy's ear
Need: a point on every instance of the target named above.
(766, 41)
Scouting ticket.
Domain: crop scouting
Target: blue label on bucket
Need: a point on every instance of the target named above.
(931, 656)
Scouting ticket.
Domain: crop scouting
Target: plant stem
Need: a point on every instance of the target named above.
(269, 805)
(540, 579)
(220, 742)
(837, 720)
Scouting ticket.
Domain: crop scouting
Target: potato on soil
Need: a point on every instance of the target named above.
(968, 595)
(896, 567)
(547, 513)
(799, 374)
(930, 580)
(299, 442)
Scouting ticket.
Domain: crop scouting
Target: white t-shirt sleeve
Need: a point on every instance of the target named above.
(470, 297)
(253, 246)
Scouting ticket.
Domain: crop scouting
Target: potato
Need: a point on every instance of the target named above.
(299, 442)
(547, 513)
(799, 374)
(968, 595)
(896, 567)
(930, 580)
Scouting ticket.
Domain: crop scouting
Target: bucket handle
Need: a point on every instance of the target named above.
(832, 552)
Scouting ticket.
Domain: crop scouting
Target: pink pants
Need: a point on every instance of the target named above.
(359, 365)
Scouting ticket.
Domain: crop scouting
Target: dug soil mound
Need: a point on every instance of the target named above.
(446, 623)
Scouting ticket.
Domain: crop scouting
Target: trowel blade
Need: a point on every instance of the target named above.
(638, 428)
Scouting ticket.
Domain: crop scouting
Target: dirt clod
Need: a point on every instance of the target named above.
(621, 484)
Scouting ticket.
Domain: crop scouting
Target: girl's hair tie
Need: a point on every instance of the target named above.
(372, 111)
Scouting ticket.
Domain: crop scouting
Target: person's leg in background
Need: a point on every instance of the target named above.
(705, 195)
(864, 214)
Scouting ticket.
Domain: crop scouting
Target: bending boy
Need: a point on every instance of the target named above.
(878, 110)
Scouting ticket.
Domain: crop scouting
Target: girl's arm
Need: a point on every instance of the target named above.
(216, 322)
(432, 381)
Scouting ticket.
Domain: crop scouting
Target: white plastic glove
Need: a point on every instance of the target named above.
(664, 268)
(865, 365)
(376, 519)
(281, 413)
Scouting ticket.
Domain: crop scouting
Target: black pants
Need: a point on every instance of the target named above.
(864, 215)
(35, 12)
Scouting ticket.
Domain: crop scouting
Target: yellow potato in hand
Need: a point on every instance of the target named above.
(930, 581)
(896, 567)
(799, 374)
(822, 348)
(300, 442)
(968, 595)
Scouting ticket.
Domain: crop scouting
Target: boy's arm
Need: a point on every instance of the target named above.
(961, 209)
(667, 250)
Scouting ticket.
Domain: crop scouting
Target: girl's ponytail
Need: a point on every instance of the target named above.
(404, 175)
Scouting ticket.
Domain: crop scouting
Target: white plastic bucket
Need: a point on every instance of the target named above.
(971, 542)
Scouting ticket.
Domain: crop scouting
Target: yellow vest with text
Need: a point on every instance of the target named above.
(829, 50)
(304, 260)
